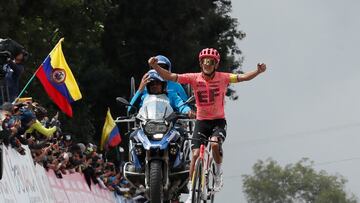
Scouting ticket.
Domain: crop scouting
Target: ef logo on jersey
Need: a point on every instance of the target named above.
(208, 97)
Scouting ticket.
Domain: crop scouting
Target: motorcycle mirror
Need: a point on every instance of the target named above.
(123, 101)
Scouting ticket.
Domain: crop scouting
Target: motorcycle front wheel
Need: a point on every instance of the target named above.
(156, 186)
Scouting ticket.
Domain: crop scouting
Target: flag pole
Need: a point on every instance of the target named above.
(27, 84)
(33, 76)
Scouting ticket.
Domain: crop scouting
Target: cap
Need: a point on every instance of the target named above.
(67, 137)
(82, 147)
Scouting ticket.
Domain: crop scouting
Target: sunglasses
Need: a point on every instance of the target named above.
(155, 82)
(209, 61)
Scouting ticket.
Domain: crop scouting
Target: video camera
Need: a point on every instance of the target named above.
(9, 49)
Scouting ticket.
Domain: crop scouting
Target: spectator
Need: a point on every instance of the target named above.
(10, 127)
(66, 143)
(12, 69)
(29, 122)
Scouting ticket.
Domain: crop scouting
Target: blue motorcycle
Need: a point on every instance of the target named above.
(158, 159)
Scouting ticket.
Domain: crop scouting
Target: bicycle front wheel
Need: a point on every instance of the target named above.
(196, 182)
(211, 182)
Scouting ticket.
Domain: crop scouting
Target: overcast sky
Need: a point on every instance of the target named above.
(307, 103)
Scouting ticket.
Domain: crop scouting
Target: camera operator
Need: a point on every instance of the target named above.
(12, 57)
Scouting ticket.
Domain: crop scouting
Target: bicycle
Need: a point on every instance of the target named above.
(204, 172)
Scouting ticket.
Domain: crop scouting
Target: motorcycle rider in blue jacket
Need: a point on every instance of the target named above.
(152, 83)
(172, 87)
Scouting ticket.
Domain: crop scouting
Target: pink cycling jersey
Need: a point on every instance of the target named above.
(209, 94)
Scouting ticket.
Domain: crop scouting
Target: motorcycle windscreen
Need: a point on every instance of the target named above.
(155, 107)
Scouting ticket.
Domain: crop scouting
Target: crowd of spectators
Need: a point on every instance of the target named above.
(24, 122)
(27, 123)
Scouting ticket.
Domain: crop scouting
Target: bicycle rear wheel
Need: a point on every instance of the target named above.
(196, 182)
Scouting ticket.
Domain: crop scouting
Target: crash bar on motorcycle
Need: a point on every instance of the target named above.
(124, 120)
(187, 120)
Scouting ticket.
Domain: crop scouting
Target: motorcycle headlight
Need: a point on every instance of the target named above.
(158, 136)
(155, 128)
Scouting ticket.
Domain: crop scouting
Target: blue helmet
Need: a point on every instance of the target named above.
(164, 60)
(154, 76)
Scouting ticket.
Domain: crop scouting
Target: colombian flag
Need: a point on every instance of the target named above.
(110, 135)
(58, 80)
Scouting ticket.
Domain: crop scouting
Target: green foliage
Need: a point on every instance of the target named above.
(109, 41)
(136, 31)
(272, 183)
(38, 25)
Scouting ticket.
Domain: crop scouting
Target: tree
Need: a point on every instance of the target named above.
(272, 183)
(136, 30)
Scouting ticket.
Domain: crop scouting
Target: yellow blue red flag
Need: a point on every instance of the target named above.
(110, 134)
(58, 80)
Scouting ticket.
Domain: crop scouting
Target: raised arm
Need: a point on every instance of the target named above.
(251, 74)
(136, 99)
(162, 72)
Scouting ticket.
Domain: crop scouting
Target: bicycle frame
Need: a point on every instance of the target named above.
(205, 159)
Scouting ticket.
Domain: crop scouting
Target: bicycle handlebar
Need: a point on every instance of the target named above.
(203, 138)
(187, 119)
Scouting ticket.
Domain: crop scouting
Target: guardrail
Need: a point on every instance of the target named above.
(23, 181)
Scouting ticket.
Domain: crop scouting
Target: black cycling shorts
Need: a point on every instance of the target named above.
(209, 128)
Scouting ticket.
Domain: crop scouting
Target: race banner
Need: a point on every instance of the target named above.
(26, 182)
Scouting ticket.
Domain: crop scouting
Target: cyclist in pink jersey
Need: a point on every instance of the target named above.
(209, 87)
